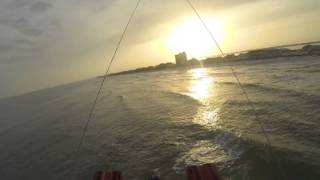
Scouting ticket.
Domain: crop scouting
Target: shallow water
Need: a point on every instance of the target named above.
(161, 122)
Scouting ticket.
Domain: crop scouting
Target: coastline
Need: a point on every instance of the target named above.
(254, 55)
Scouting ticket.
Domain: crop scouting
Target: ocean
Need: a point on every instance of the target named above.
(161, 122)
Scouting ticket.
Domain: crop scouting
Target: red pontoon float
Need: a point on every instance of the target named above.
(202, 172)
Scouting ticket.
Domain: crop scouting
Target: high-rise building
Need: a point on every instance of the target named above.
(181, 59)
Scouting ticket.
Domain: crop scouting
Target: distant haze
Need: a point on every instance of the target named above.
(46, 43)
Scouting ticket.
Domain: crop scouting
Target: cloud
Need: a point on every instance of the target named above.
(31, 31)
(97, 5)
(22, 25)
(5, 47)
(19, 3)
(148, 21)
(223, 4)
(64, 34)
(40, 7)
(14, 23)
(258, 14)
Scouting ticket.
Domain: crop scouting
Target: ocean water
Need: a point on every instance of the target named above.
(161, 122)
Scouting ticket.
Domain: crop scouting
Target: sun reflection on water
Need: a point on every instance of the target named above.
(202, 88)
(201, 84)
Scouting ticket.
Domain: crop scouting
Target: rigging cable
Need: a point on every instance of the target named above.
(91, 112)
(240, 86)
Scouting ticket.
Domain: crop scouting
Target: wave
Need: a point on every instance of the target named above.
(181, 96)
(243, 158)
(271, 162)
(272, 90)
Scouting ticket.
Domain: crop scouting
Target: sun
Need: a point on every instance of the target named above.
(192, 37)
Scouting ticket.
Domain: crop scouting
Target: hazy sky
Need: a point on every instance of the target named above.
(46, 43)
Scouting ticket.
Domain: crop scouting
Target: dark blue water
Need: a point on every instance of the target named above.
(161, 122)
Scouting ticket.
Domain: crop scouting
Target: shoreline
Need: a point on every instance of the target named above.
(200, 63)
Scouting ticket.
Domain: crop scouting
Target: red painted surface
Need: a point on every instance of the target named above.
(110, 175)
(202, 172)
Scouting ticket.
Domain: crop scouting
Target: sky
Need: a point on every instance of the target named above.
(47, 43)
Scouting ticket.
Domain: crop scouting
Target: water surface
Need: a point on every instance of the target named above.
(161, 122)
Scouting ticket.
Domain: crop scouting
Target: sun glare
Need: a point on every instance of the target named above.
(192, 37)
(201, 85)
